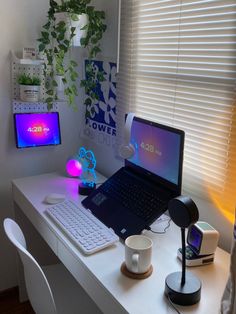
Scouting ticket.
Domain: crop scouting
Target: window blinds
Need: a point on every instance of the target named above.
(178, 67)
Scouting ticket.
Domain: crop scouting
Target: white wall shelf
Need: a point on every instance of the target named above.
(28, 67)
(32, 68)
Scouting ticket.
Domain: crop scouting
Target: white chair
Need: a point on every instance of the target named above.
(51, 289)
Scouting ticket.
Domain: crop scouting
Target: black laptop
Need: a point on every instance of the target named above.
(138, 193)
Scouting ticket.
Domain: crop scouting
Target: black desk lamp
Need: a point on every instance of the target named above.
(183, 288)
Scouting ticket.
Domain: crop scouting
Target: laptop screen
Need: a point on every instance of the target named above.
(158, 150)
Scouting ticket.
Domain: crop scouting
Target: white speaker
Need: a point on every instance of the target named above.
(127, 150)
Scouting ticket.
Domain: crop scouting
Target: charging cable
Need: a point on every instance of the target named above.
(172, 304)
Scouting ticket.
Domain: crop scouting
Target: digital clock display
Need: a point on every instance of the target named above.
(37, 129)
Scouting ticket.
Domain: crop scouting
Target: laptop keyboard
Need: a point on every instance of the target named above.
(136, 197)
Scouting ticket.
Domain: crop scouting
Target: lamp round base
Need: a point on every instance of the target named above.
(187, 294)
(86, 188)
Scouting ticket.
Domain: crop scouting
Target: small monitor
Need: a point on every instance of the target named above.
(37, 129)
(202, 238)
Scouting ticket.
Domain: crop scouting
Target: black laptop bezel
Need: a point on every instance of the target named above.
(174, 188)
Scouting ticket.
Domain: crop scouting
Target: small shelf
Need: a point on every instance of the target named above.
(32, 68)
(26, 61)
(28, 67)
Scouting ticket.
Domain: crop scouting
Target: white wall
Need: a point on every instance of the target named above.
(21, 22)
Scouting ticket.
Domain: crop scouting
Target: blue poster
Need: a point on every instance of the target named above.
(101, 114)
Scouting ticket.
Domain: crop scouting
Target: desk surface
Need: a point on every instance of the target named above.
(100, 274)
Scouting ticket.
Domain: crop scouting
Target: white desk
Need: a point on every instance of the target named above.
(100, 274)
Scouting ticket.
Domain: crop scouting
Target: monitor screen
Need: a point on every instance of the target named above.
(37, 129)
(194, 238)
(158, 149)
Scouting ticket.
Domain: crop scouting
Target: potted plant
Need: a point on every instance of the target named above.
(57, 39)
(29, 87)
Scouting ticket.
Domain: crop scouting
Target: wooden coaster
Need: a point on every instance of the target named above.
(127, 273)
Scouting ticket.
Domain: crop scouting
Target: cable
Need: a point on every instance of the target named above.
(161, 232)
(172, 304)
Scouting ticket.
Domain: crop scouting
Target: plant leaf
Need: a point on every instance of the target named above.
(73, 63)
(74, 17)
(47, 25)
(49, 100)
(88, 102)
(41, 47)
(49, 92)
(54, 83)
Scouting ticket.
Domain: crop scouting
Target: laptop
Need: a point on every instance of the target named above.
(138, 193)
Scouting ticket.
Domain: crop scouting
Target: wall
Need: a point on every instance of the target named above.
(21, 22)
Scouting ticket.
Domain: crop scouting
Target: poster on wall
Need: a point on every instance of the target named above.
(100, 118)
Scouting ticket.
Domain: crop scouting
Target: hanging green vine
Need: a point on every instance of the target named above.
(55, 44)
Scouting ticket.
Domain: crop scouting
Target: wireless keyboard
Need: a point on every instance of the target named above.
(85, 230)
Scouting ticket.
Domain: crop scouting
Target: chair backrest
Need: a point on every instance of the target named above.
(38, 289)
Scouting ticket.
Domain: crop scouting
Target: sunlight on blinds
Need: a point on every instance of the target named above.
(178, 67)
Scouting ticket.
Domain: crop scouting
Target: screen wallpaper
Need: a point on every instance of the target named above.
(157, 150)
(37, 129)
(195, 238)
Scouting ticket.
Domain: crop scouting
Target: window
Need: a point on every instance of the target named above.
(178, 67)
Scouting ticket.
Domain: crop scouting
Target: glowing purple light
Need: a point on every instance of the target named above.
(74, 168)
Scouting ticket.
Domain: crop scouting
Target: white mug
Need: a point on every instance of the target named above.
(138, 253)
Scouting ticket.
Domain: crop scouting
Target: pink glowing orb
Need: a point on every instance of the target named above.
(74, 168)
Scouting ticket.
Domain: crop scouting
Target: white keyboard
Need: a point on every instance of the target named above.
(86, 231)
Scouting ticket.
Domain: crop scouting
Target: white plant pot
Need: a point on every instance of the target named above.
(29, 93)
(83, 20)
